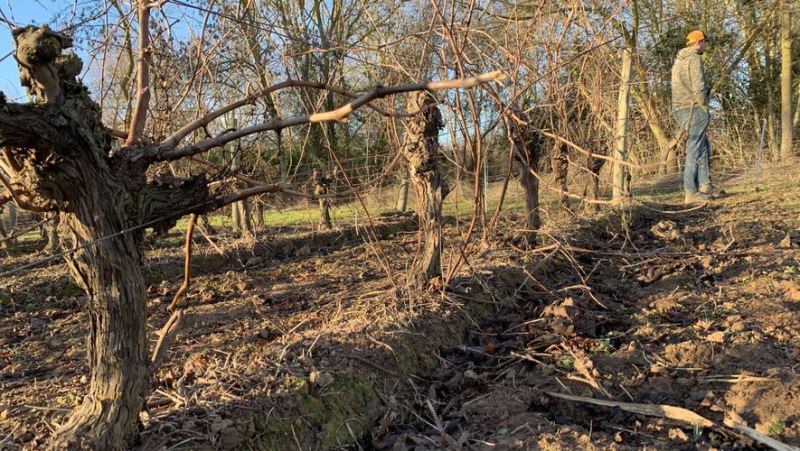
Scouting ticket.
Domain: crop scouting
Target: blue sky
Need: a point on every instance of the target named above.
(21, 12)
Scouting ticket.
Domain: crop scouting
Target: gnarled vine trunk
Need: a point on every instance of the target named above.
(65, 166)
(422, 157)
(560, 163)
(110, 272)
(528, 151)
(322, 185)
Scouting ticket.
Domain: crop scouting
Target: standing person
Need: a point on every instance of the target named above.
(690, 91)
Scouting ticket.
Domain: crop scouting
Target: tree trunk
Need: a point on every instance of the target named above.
(12, 218)
(3, 233)
(6, 232)
(671, 161)
(422, 157)
(656, 122)
(65, 166)
(592, 189)
(528, 150)
(208, 226)
(796, 120)
(259, 210)
(560, 165)
(620, 150)
(325, 222)
(240, 211)
(786, 80)
(772, 136)
(110, 272)
(668, 156)
(240, 216)
(322, 185)
(51, 232)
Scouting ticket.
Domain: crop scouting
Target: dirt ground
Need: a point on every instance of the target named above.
(302, 341)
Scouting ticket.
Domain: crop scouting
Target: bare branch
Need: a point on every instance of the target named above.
(15, 195)
(178, 136)
(187, 269)
(157, 4)
(27, 229)
(13, 167)
(164, 153)
(586, 152)
(228, 199)
(142, 77)
(349, 191)
(118, 133)
(210, 165)
(166, 338)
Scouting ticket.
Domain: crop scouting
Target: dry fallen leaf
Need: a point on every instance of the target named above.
(659, 371)
(705, 325)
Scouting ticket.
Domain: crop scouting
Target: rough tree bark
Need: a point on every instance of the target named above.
(597, 146)
(528, 151)
(560, 163)
(787, 131)
(241, 218)
(3, 233)
(51, 233)
(240, 211)
(422, 157)
(65, 166)
(322, 185)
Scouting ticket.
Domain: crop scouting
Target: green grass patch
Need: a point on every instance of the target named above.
(71, 289)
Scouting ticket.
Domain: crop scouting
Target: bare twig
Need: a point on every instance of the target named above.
(166, 337)
(27, 229)
(187, 264)
(759, 437)
(451, 443)
(653, 410)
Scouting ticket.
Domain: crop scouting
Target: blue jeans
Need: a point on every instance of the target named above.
(697, 170)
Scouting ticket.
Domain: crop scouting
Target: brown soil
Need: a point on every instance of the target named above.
(303, 342)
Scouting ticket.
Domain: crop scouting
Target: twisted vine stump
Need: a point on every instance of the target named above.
(6, 243)
(322, 185)
(242, 219)
(65, 165)
(560, 163)
(528, 151)
(68, 162)
(12, 225)
(422, 157)
(50, 230)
